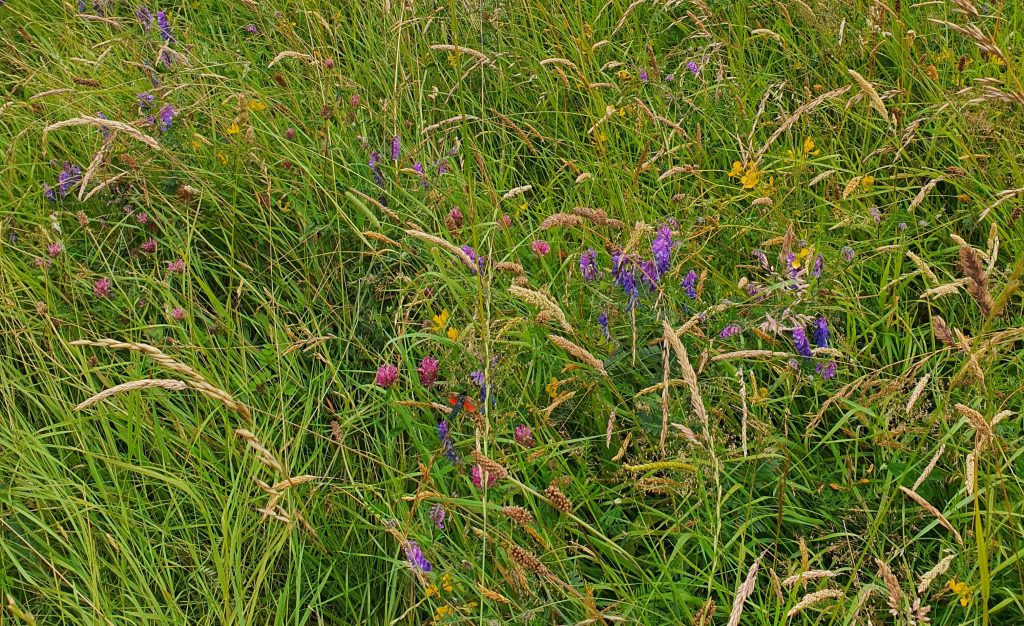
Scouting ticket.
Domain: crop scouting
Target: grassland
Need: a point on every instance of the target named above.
(781, 389)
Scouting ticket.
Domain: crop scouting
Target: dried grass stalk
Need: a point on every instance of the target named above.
(690, 377)
(813, 598)
(916, 394)
(944, 290)
(479, 56)
(929, 577)
(919, 198)
(447, 245)
(597, 217)
(971, 473)
(792, 119)
(86, 120)
(146, 383)
(561, 220)
(543, 302)
(913, 495)
(291, 54)
(517, 191)
(809, 575)
(263, 455)
(921, 265)
(493, 596)
(970, 265)
(451, 120)
(941, 331)
(743, 592)
(893, 585)
(625, 14)
(579, 353)
(928, 469)
(511, 267)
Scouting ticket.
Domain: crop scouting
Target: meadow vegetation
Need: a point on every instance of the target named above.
(700, 312)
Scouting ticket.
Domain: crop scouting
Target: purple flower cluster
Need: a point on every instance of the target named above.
(821, 332)
(524, 435)
(101, 289)
(427, 371)
(165, 117)
(827, 370)
(800, 343)
(730, 330)
(445, 436)
(416, 559)
(649, 274)
(588, 266)
(437, 515)
(661, 248)
(690, 65)
(145, 17)
(818, 267)
(690, 284)
(396, 148)
(378, 176)
(69, 176)
(603, 321)
(847, 253)
(145, 100)
(623, 272)
(474, 258)
(165, 26)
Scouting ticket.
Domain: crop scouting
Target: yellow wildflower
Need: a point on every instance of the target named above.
(257, 106)
(751, 178)
(867, 182)
(233, 129)
(441, 612)
(196, 145)
(737, 170)
(623, 75)
(446, 583)
(223, 158)
(440, 321)
(453, 334)
(961, 589)
(431, 590)
(552, 387)
(809, 148)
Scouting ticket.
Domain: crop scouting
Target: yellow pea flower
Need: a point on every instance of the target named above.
(751, 178)
(430, 591)
(552, 387)
(961, 589)
(233, 129)
(440, 321)
(223, 158)
(809, 147)
(441, 612)
(737, 170)
(868, 181)
(446, 583)
(453, 334)
(257, 106)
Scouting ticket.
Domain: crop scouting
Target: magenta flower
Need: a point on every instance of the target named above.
(396, 148)
(176, 267)
(142, 217)
(178, 313)
(506, 221)
(427, 371)
(478, 477)
(165, 116)
(354, 100)
(540, 247)
(148, 246)
(102, 288)
(54, 249)
(690, 65)
(455, 218)
(387, 374)
(524, 435)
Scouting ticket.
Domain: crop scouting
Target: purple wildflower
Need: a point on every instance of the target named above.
(427, 371)
(165, 117)
(603, 321)
(690, 284)
(69, 176)
(661, 247)
(478, 377)
(455, 218)
(800, 343)
(145, 100)
(176, 266)
(437, 515)
(378, 176)
(396, 148)
(690, 65)
(821, 332)
(165, 26)
(793, 364)
(649, 274)
(902, 226)
(669, 78)
(847, 253)
(643, 75)
(818, 267)
(178, 313)
(524, 435)
(54, 249)
(761, 258)
(827, 370)
(478, 261)
(148, 246)
(540, 247)
(442, 167)
(145, 17)
(730, 330)
(165, 58)
(42, 263)
(875, 214)
(142, 217)
(477, 474)
(102, 288)
(445, 436)
(104, 130)
(251, 29)
(387, 374)
(48, 192)
(416, 559)
(624, 275)
(588, 265)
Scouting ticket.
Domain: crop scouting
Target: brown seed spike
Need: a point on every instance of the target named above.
(941, 331)
(528, 560)
(490, 466)
(970, 265)
(558, 499)
(518, 514)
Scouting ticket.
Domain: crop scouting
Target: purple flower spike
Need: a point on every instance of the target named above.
(661, 247)
(416, 559)
(847, 253)
(690, 65)
(588, 266)
(730, 330)
(821, 332)
(437, 515)
(165, 117)
(145, 17)
(603, 321)
(690, 284)
(827, 370)
(396, 148)
(445, 436)
(800, 343)
(165, 26)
